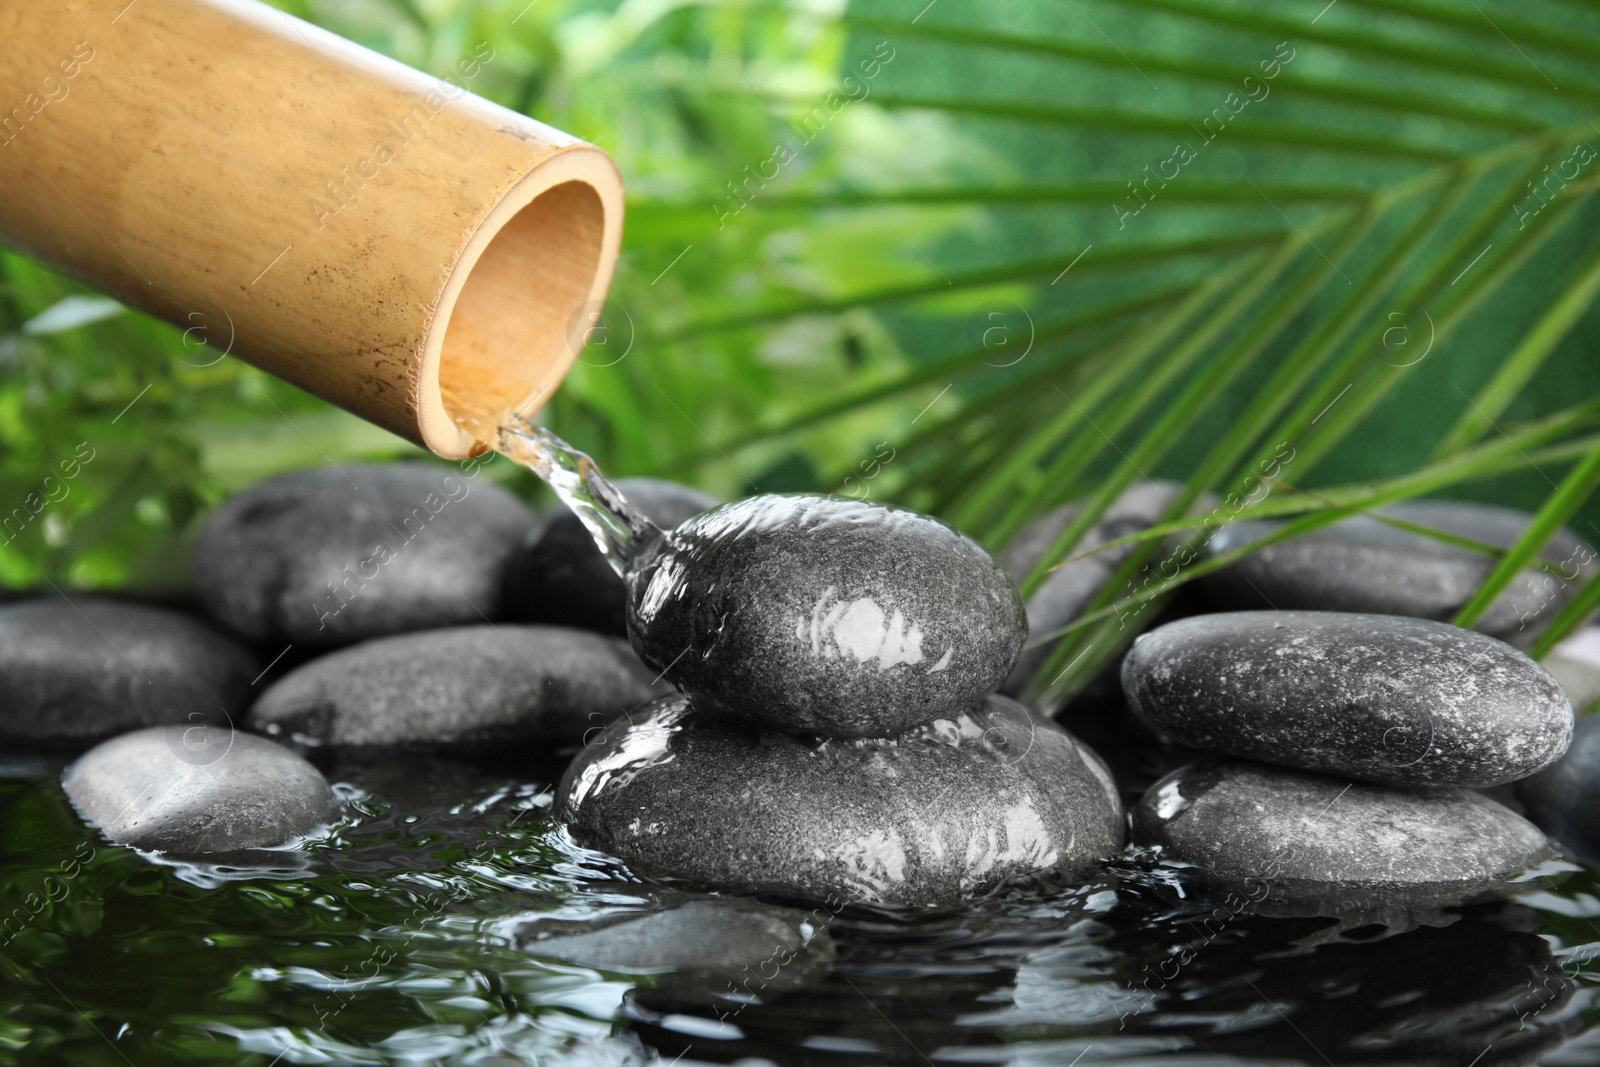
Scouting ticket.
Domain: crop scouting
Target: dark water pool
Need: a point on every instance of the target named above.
(388, 943)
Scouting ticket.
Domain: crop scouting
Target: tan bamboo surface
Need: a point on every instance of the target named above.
(379, 237)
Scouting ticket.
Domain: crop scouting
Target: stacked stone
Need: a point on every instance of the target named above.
(837, 735)
(1352, 747)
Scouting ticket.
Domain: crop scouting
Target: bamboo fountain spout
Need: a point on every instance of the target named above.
(379, 237)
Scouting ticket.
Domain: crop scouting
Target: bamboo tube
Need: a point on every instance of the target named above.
(379, 237)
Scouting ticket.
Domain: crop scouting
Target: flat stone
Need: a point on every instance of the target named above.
(825, 616)
(1381, 698)
(79, 671)
(1062, 596)
(1285, 834)
(1364, 565)
(559, 576)
(937, 817)
(1565, 799)
(459, 686)
(729, 937)
(334, 555)
(198, 790)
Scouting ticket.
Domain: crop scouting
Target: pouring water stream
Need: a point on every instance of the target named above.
(617, 527)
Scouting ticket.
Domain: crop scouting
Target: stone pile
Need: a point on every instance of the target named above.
(837, 732)
(1351, 744)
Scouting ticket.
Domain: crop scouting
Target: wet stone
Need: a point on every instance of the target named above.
(462, 686)
(559, 576)
(1380, 698)
(334, 555)
(937, 817)
(728, 937)
(1364, 565)
(1283, 834)
(825, 616)
(1565, 799)
(198, 790)
(79, 671)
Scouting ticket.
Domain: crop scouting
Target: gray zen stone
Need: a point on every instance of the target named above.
(824, 616)
(1062, 596)
(934, 818)
(1382, 698)
(463, 685)
(1285, 834)
(198, 790)
(79, 671)
(1361, 564)
(1565, 799)
(728, 937)
(334, 555)
(559, 576)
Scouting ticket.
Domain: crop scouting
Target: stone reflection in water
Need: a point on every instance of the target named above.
(1479, 988)
(900, 993)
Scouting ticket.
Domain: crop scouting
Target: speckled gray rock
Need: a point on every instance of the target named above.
(934, 818)
(1062, 596)
(1286, 834)
(334, 555)
(824, 616)
(559, 576)
(72, 673)
(1362, 564)
(725, 936)
(193, 791)
(1565, 799)
(1382, 698)
(463, 685)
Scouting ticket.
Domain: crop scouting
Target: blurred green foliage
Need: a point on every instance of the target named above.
(1040, 251)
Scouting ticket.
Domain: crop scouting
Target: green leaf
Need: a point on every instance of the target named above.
(1557, 509)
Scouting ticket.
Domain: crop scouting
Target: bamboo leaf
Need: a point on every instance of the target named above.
(1329, 400)
(973, 510)
(1088, 192)
(1198, 69)
(954, 367)
(1418, 53)
(1111, 260)
(1530, 354)
(1569, 618)
(1557, 509)
(1262, 132)
(1504, 27)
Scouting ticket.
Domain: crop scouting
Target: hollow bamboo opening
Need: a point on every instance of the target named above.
(515, 325)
